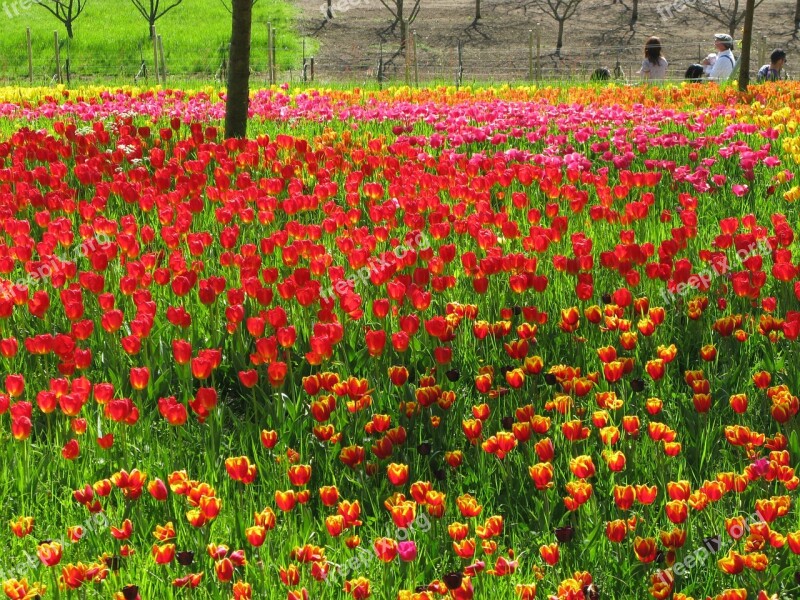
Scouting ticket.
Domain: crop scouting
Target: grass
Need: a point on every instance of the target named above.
(111, 39)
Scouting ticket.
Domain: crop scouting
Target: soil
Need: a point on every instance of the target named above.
(498, 47)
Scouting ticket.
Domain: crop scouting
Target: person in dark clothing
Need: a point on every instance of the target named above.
(772, 71)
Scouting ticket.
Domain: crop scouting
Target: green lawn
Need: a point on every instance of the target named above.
(111, 38)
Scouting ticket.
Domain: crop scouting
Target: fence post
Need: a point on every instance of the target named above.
(538, 52)
(155, 55)
(380, 68)
(408, 57)
(304, 60)
(274, 68)
(312, 69)
(530, 54)
(30, 55)
(416, 63)
(460, 72)
(762, 55)
(699, 54)
(162, 62)
(269, 52)
(58, 57)
(274, 56)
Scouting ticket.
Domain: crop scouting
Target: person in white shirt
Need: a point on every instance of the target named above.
(654, 67)
(723, 66)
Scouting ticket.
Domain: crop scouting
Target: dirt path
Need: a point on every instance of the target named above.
(497, 49)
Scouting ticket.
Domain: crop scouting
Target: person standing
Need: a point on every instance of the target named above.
(725, 63)
(772, 71)
(654, 67)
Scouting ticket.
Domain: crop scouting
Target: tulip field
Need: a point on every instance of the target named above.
(404, 344)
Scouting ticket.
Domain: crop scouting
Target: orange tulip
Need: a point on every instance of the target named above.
(616, 530)
(359, 588)
(582, 467)
(163, 554)
(549, 553)
(677, 511)
(22, 526)
(645, 549)
(542, 475)
(732, 564)
(49, 553)
(465, 548)
(240, 469)
(624, 496)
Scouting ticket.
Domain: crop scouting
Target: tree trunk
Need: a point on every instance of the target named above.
(747, 38)
(330, 9)
(68, 25)
(560, 42)
(238, 99)
(478, 10)
(797, 16)
(403, 25)
(152, 28)
(634, 13)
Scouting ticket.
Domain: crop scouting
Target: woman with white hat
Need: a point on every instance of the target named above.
(725, 63)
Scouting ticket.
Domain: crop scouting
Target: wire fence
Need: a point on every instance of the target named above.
(164, 63)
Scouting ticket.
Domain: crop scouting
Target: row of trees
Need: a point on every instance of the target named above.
(729, 14)
(67, 11)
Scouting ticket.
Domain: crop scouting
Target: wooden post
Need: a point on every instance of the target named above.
(274, 58)
(269, 53)
(155, 55)
(416, 63)
(460, 72)
(312, 69)
(408, 59)
(762, 55)
(380, 68)
(699, 54)
(58, 57)
(162, 62)
(30, 56)
(530, 55)
(538, 52)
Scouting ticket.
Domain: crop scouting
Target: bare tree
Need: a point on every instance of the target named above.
(238, 99)
(153, 10)
(65, 11)
(397, 8)
(728, 13)
(561, 11)
(634, 13)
